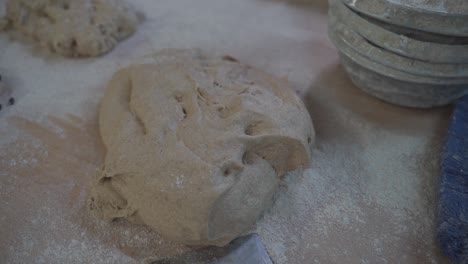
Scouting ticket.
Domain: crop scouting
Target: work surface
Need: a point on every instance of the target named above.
(370, 197)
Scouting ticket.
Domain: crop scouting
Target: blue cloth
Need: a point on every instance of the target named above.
(452, 228)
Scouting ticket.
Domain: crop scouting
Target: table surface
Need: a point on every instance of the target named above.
(370, 196)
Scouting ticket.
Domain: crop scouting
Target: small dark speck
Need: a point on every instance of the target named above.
(73, 44)
(230, 58)
(0, 77)
(11, 101)
(103, 29)
(0, 107)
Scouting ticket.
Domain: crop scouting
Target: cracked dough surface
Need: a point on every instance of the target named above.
(197, 145)
(74, 28)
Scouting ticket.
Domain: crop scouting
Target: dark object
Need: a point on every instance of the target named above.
(230, 58)
(11, 101)
(244, 250)
(452, 230)
(0, 107)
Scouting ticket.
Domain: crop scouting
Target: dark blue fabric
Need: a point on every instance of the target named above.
(452, 228)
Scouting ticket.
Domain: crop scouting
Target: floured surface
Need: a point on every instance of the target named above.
(369, 198)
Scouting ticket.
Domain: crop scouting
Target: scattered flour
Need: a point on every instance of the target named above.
(366, 193)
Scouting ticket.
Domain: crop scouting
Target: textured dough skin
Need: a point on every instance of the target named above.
(72, 28)
(196, 145)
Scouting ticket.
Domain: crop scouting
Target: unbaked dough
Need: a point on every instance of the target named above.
(75, 28)
(196, 145)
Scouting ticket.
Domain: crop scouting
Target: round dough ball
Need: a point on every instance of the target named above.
(196, 145)
(74, 28)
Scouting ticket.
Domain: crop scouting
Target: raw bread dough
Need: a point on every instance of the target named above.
(75, 28)
(197, 145)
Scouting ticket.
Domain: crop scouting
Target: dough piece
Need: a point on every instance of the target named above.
(74, 28)
(196, 146)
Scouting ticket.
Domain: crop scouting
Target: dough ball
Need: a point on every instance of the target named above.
(197, 145)
(74, 28)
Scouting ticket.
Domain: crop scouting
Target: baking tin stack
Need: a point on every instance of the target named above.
(403, 52)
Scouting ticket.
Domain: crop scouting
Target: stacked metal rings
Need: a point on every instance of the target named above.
(403, 53)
